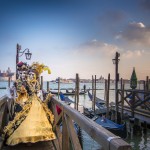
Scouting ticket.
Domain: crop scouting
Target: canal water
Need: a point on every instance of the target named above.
(138, 141)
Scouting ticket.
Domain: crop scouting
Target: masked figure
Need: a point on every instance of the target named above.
(33, 83)
(34, 122)
(21, 86)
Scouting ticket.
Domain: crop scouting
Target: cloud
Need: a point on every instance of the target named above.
(95, 47)
(112, 16)
(136, 34)
(145, 4)
(110, 22)
(96, 56)
(131, 54)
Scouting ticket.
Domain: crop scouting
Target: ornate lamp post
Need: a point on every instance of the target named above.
(19, 53)
(116, 61)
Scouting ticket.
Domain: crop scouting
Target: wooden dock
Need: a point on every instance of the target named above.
(137, 104)
(67, 138)
(141, 114)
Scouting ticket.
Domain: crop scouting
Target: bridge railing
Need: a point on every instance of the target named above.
(68, 138)
(3, 115)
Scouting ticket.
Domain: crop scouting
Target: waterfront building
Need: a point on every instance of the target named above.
(6, 74)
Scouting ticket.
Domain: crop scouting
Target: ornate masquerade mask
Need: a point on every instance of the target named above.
(32, 75)
(22, 75)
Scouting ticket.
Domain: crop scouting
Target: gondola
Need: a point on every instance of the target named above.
(98, 100)
(90, 113)
(99, 103)
(117, 129)
(65, 98)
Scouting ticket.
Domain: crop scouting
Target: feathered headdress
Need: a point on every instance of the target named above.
(21, 66)
(39, 68)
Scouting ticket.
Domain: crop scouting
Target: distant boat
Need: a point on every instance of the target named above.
(66, 81)
(3, 88)
(6, 74)
(61, 80)
(68, 93)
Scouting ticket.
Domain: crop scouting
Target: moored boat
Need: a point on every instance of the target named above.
(100, 104)
(117, 129)
(68, 93)
(65, 98)
(98, 100)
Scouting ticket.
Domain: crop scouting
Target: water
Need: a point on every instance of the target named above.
(4, 91)
(138, 141)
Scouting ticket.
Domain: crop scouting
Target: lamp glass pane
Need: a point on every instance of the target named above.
(28, 56)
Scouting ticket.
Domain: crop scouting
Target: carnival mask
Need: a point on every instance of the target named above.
(32, 75)
(22, 75)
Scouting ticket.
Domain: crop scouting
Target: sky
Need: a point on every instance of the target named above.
(77, 36)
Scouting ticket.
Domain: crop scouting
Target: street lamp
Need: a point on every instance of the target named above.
(116, 61)
(19, 53)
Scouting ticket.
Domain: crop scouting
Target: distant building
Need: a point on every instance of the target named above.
(101, 79)
(5, 74)
(85, 80)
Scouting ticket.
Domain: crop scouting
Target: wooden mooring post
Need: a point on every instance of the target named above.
(144, 85)
(116, 62)
(94, 100)
(9, 79)
(41, 83)
(147, 83)
(133, 102)
(77, 92)
(145, 126)
(93, 93)
(107, 96)
(48, 89)
(58, 86)
(105, 92)
(122, 98)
